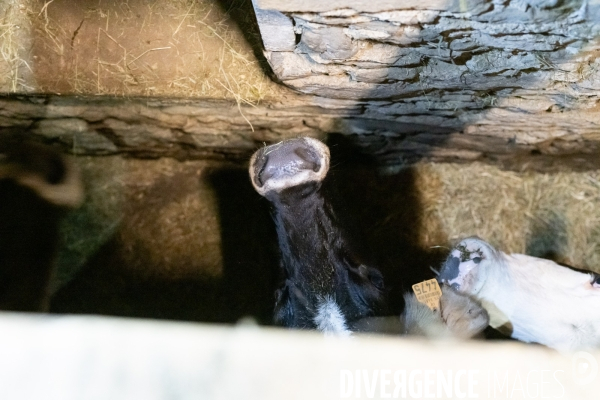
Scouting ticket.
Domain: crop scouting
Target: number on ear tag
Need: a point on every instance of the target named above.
(428, 293)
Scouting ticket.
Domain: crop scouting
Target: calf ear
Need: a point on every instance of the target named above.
(47, 172)
(463, 314)
(459, 316)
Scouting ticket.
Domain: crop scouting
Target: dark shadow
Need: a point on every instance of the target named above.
(382, 215)
(249, 246)
(110, 284)
(548, 239)
(105, 286)
(28, 239)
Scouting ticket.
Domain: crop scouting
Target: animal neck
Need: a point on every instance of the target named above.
(310, 239)
(495, 280)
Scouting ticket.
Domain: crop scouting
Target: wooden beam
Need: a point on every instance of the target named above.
(384, 131)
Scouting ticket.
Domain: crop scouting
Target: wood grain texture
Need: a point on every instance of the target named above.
(194, 129)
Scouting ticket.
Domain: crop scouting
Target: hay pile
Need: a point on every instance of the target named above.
(181, 48)
(193, 241)
(167, 239)
(547, 215)
(161, 213)
(16, 69)
(165, 214)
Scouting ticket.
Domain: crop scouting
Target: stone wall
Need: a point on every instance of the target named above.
(522, 71)
(515, 83)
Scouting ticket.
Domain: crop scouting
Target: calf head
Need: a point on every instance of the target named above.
(325, 285)
(468, 265)
(528, 298)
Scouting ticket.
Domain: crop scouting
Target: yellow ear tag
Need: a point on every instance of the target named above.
(428, 293)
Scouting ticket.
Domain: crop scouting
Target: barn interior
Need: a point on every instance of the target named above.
(445, 119)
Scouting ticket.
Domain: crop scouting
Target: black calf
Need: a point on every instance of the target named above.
(325, 285)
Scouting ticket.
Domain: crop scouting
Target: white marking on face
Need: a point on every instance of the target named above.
(330, 320)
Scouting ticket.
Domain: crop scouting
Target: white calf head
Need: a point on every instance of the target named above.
(529, 298)
(466, 268)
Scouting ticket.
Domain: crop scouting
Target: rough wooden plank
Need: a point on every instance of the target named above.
(391, 133)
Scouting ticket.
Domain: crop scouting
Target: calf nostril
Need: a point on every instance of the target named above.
(258, 163)
(310, 160)
(259, 169)
(286, 159)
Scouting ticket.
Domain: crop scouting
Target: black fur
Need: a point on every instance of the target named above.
(317, 261)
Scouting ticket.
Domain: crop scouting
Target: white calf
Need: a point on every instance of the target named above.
(528, 298)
